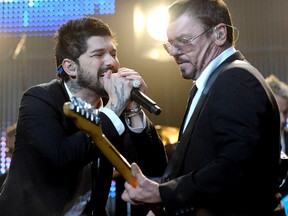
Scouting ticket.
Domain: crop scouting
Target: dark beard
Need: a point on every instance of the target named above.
(86, 82)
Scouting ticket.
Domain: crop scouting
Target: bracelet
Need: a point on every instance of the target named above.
(132, 112)
(136, 110)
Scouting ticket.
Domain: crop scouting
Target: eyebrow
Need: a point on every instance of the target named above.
(183, 36)
(97, 50)
(103, 49)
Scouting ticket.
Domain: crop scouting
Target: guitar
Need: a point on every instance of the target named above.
(88, 120)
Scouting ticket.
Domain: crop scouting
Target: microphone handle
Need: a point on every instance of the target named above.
(145, 101)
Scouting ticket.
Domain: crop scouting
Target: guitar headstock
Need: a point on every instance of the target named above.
(82, 108)
(87, 119)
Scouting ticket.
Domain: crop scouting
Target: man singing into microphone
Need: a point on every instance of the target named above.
(56, 169)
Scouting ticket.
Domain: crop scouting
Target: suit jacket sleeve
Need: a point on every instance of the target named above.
(145, 148)
(54, 136)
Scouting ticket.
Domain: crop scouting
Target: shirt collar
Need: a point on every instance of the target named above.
(202, 80)
(68, 91)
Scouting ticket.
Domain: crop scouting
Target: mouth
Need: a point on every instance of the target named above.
(181, 61)
(103, 72)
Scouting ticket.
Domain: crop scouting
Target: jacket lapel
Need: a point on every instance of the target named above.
(175, 163)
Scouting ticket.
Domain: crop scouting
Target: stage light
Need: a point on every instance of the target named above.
(153, 22)
(157, 23)
(43, 17)
(138, 21)
(150, 25)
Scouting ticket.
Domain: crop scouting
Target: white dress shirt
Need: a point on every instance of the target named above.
(203, 78)
(83, 193)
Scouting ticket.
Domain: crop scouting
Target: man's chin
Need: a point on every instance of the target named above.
(184, 74)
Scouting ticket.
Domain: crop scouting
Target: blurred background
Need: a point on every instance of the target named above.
(27, 28)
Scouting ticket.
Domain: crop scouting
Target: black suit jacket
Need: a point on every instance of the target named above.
(284, 168)
(50, 153)
(227, 161)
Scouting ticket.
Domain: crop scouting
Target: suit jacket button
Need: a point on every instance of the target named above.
(166, 178)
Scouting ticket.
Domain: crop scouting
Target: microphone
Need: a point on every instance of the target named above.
(145, 101)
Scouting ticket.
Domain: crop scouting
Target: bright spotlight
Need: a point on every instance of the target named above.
(157, 21)
(139, 21)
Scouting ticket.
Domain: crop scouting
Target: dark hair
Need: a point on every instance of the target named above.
(209, 12)
(71, 39)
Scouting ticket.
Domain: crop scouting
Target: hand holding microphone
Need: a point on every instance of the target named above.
(136, 94)
(143, 99)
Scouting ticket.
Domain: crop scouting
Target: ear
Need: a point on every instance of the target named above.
(70, 67)
(220, 34)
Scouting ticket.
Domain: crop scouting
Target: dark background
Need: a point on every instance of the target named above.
(263, 26)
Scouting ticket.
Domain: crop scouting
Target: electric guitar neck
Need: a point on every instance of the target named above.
(88, 120)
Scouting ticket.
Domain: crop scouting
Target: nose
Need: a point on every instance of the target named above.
(111, 61)
(175, 51)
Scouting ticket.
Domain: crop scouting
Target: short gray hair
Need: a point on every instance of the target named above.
(278, 87)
